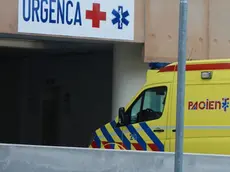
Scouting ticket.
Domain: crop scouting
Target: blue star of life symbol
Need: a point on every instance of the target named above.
(120, 17)
(225, 104)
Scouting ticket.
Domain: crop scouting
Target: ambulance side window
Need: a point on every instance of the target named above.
(135, 110)
(149, 105)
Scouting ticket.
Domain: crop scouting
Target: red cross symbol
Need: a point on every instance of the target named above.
(96, 15)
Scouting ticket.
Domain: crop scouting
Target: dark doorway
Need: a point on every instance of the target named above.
(50, 116)
(65, 109)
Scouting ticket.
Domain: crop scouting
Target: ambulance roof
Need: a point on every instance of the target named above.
(214, 64)
(210, 61)
(165, 72)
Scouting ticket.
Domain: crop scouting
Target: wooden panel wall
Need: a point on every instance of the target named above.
(208, 30)
(8, 16)
(156, 25)
(219, 29)
(161, 39)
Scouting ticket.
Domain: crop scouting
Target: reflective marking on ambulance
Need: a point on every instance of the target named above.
(124, 142)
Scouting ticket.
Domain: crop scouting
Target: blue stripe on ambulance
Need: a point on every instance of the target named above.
(97, 140)
(139, 138)
(108, 137)
(152, 136)
(113, 124)
(120, 134)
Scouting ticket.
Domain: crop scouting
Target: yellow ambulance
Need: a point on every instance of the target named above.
(148, 122)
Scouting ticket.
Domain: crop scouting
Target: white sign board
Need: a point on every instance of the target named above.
(110, 19)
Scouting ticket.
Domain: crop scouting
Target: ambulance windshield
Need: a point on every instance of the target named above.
(149, 106)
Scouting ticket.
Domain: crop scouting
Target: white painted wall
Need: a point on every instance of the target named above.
(129, 73)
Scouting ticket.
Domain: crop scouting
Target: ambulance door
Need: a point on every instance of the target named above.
(206, 118)
(147, 128)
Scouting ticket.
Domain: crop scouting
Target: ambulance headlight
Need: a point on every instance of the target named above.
(206, 75)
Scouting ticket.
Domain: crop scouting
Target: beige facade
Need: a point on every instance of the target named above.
(156, 25)
(208, 29)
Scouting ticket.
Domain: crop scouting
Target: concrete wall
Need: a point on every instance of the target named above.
(29, 158)
(129, 73)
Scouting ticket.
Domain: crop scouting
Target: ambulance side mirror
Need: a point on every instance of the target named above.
(122, 116)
